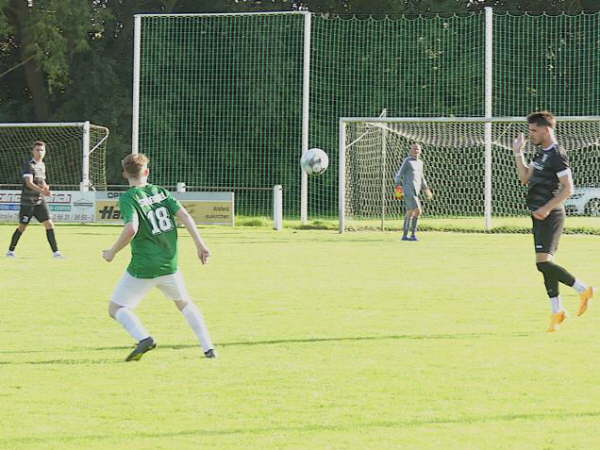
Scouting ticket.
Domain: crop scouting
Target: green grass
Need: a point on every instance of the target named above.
(326, 341)
(518, 224)
(463, 224)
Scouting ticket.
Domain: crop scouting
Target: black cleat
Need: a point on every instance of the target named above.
(145, 345)
(210, 353)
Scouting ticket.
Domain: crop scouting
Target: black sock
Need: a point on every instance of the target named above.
(550, 280)
(561, 274)
(13, 241)
(51, 239)
(413, 225)
(406, 225)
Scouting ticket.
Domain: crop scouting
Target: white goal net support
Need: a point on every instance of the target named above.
(76, 153)
(469, 165)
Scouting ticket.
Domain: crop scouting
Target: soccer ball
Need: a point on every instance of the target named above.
(314, 161)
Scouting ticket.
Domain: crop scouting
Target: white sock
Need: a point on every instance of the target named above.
(194, 318)
(131, 323)
(579, 286)
(556, 303)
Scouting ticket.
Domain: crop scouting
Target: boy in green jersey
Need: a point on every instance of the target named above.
(149, 213)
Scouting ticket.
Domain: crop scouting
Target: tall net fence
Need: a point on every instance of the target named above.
(221, 96)
(407, 66)
(64, 153)
(546, 62)
(220, 104)
(454, 156)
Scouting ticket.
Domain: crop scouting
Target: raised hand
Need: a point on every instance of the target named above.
(519, 144)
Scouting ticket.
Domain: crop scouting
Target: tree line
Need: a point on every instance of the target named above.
(71, 60)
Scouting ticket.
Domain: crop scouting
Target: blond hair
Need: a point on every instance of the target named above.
(134, 164)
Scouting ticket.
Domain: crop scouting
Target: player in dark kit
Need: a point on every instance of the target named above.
(32, 200)
(550, 183)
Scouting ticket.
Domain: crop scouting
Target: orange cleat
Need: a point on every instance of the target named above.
(556, 320)
(584, 299)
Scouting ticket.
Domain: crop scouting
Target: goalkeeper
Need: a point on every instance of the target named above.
(411, 180)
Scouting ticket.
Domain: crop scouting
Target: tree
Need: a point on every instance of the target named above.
(42, 37)
(537, 6)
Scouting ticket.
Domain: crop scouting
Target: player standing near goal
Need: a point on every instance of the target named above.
(32, 200)
(148, 213)
(550, 183)
(411, 178)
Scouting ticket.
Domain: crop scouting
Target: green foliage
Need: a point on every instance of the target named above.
(57, 30)
(537, 6)
(5, 27)
(82, 54)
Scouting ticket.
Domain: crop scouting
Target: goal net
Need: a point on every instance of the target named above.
(75, 158)
(469, 166)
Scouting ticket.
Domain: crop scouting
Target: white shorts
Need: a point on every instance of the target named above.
(130, 291)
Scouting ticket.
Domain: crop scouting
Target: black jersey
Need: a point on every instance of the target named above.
(38, 171)
(543, 184)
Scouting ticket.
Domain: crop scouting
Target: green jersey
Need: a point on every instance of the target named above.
(154, 247)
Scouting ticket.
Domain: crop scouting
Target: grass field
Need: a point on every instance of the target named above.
(326, 341)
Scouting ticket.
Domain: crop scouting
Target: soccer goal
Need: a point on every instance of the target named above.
(76, 156)
(468, 163)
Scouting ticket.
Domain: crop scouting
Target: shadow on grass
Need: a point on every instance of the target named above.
(337, 339)
(64, 362)
(310, 428)
(241, 344)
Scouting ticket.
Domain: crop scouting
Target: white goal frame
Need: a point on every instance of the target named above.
(486, 123)
(86, 150)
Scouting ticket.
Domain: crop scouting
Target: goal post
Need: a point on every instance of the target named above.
(468, 163)
(76, 153)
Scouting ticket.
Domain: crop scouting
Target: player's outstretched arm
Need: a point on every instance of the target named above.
(127, 234)
(190, 224)
(523, 170)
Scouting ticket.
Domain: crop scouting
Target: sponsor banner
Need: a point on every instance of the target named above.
(205, 212)
(64, 206)
(207, 208)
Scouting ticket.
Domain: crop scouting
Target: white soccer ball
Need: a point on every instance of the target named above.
(314, 161)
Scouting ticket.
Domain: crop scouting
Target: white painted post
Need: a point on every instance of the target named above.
(305, 116)
(84, 186)
(137, 46)
(278, 207)
(342, 177)
(489, 39)
(383, 170)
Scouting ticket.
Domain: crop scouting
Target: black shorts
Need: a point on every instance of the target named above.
(40, 212)
(546, 233)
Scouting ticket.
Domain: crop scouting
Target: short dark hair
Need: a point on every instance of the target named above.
(133, 164)
(38, 144)
(542, 119)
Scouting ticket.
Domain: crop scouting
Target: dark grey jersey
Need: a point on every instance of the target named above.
(37, 171)
(410, 175)
(548, 165)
